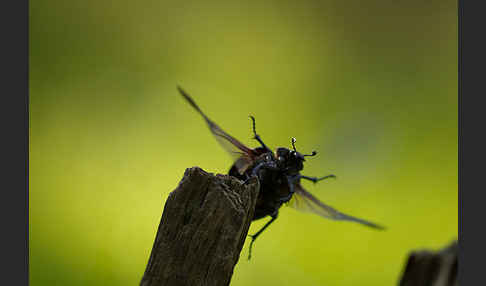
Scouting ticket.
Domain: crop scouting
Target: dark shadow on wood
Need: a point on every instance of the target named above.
(202, 231)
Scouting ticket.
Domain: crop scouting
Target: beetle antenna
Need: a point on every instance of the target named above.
(293, 143)
(310, 155)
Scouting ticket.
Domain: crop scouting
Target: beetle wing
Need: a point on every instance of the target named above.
(243, 155)
(303, 201)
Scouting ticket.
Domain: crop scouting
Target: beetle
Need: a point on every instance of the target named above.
(278, 173)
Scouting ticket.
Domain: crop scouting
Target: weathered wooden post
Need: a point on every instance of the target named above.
(432, 268)
(202, 231)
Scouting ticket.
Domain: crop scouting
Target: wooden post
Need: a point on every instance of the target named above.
(202, 231)
(430, 268)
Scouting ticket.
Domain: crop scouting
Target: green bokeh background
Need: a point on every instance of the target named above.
(370, 85)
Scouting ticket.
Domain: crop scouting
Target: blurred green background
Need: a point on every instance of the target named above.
(370, 85)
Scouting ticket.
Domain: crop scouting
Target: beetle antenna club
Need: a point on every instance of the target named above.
(293, 143)
(310, 155)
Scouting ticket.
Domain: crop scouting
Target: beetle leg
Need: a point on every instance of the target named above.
(257, 168)
(254, 236)
(257, 137)
(262, 165)
(315, 179)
